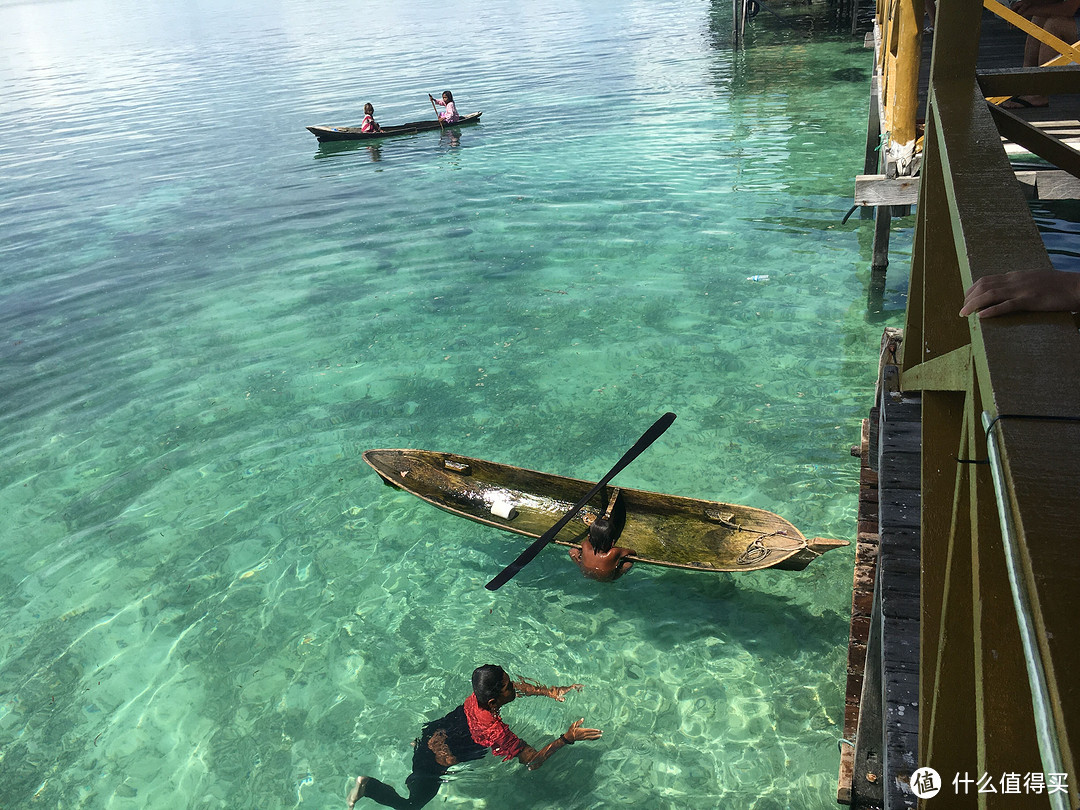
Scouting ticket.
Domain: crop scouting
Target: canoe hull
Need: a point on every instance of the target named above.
(666, 530)
(332, 134)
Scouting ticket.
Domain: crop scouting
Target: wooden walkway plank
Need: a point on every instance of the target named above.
(898, 591)
(882, 711)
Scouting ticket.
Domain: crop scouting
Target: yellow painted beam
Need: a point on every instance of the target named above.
(904, 57)
(947, 372)
(1069, 53)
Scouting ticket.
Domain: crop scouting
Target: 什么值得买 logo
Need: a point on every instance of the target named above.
(925, 783)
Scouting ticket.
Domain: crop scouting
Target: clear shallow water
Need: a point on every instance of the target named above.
(208, 599)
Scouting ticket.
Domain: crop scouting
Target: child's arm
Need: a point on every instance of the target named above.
(527, 687)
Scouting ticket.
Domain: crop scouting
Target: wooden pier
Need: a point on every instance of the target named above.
(964, 645)
(899, 93)
(883, 653)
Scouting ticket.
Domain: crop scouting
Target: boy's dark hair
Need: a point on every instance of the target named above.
(604, 531)
(487, 683)
(600, 535)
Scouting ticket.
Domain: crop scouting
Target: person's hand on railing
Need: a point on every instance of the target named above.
(1023, 291)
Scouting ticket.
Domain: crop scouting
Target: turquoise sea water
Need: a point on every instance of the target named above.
(208, 600)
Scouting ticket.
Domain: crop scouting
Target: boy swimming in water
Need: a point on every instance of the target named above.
(466, 734)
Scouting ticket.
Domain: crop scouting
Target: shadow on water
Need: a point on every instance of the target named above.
(449, 137)
(335, 148)
(857, 75)
(724, 606)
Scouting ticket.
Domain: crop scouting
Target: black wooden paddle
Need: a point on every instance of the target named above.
(650, 436)
(436, 109)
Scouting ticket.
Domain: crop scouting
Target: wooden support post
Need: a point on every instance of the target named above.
(882, 221)
(875, 293)
(901, 91)
(872, 160)
(738, 20)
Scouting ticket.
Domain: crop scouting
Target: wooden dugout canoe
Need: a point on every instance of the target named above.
(667, 530)
(328, 134)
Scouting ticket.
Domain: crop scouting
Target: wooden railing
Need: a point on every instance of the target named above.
(1000, 618)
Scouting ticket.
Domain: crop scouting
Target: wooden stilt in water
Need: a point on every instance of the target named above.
(875, 293)
(738, 18)
(882, 221)
(872, 161)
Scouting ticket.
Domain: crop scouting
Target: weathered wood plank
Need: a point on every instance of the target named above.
(897, 473)
(901, 435)
(901, 510)
(869, 751)
(862, 607)
(897, 596)
(1028, 81)
(877, 189)
(1056, 185)
(901, 407)
(1044, 184)
(902, 564)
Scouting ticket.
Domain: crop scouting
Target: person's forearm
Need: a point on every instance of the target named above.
(541, 756)
(526, 687)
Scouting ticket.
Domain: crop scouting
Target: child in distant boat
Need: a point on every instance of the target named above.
(368, 124)
(450, 114)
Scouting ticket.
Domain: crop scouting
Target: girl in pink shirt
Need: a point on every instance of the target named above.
(450, 116)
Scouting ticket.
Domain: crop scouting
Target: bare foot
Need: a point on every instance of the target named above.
(1025, 102)
(357, 791)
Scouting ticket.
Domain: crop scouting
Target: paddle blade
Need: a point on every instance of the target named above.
(527, 556)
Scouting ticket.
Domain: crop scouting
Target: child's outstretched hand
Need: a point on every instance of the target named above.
(559, 692)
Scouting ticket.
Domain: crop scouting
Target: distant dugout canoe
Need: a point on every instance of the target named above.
(667, 530)
(328, 134)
